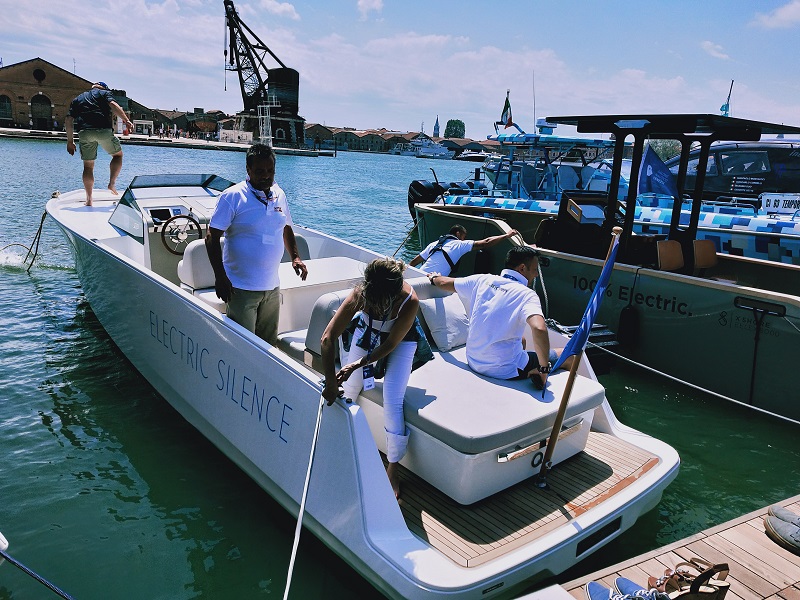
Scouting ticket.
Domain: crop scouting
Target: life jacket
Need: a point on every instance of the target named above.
(439, 247)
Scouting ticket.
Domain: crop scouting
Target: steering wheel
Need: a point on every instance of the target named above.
(178, 232)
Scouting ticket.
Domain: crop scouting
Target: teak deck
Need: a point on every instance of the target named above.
(471, 535)
(759, 568)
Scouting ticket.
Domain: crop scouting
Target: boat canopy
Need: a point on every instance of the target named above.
(535, 140)
(688, 129)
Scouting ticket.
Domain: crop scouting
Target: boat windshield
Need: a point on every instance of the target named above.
(213, 182)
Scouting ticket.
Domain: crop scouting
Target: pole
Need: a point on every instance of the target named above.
(298, 528)
(541, 478)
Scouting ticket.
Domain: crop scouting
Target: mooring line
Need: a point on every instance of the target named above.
(299, 527)
(36, 239)
(692, 385)
(36, 576)
(410, 231)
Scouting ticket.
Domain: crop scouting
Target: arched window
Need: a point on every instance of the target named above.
(41, 112)
(280, 134)
(5, 108)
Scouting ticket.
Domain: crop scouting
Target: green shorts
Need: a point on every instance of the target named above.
(89, 138)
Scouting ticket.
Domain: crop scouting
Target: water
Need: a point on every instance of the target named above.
(109, 494)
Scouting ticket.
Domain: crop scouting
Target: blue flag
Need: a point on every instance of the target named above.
(655, 177)
(578, 340)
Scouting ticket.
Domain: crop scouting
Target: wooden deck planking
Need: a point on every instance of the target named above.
(759, 568)
(475, 534)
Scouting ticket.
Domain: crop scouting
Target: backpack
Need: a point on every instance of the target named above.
(439, 247)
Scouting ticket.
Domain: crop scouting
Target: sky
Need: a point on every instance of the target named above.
(398, 64)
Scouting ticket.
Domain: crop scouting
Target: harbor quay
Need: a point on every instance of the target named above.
(145, 140)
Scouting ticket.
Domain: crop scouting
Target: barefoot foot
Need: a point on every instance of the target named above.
(113, 189)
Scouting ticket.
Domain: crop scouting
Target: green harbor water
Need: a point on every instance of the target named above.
(109, 493)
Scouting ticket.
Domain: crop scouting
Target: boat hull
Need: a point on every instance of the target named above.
(698, 330)
(259, 407)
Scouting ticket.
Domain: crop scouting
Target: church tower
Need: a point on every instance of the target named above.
(436, 127)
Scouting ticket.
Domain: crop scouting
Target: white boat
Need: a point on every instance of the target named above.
(471, 522)
(436, 150)
(423, 147)
(475, 156)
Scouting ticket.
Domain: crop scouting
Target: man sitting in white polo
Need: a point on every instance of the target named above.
(500, 306)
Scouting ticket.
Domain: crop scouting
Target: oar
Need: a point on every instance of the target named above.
(299, 526)
(19, 565)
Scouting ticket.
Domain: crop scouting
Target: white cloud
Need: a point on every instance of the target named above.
(783, 17)
(714, 50)
(282, 9)
(366, 6)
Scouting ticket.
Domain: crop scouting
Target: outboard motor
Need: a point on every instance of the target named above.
(422, 191)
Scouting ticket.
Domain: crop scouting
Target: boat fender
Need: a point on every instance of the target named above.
(483, 261)
(628, 328)
(629, 321)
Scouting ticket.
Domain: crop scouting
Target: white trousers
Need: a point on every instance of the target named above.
(398, 370)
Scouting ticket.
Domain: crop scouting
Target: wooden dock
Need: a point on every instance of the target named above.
(759, 568)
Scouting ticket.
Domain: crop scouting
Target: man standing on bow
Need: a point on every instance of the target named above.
(90, 114)
(254, 217)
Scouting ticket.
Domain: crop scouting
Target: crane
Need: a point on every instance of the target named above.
(246, 57)
(270, 96)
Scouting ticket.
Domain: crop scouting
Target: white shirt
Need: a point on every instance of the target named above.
(436, 262)
(253, 235)
(499, 307)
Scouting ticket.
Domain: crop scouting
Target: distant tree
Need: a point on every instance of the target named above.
(665, 149)
(454, 129)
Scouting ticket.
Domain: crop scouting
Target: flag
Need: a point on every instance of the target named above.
(724, 109)
(578, 340)
(655, 177)
(506, 118)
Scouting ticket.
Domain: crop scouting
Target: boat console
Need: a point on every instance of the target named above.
(165, 213)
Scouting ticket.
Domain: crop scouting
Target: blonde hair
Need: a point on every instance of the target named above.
(383, 282)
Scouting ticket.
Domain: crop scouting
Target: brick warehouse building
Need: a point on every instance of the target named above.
(36, 94)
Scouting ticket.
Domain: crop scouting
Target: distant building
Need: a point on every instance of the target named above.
(436, 127)
(36, 94)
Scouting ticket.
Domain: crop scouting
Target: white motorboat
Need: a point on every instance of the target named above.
(471, 522)
(436, 150)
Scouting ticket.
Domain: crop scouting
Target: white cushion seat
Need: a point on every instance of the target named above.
(472, 413)
(197, 276)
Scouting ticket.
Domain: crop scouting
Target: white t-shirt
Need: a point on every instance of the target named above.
(253, 235)
(436, 262)
(499, 307)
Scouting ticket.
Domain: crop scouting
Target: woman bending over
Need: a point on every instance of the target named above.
(382, 310)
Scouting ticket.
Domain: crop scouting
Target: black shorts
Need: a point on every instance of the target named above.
(533, 362)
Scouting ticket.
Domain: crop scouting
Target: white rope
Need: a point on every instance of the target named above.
(692, 385)
(299, 526)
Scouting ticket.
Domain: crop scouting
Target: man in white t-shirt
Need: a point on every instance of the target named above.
(255, 218)
(442, 255)
(499, 307)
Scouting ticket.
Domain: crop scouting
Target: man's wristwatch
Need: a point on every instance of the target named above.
(431, 279)
(544, 369)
